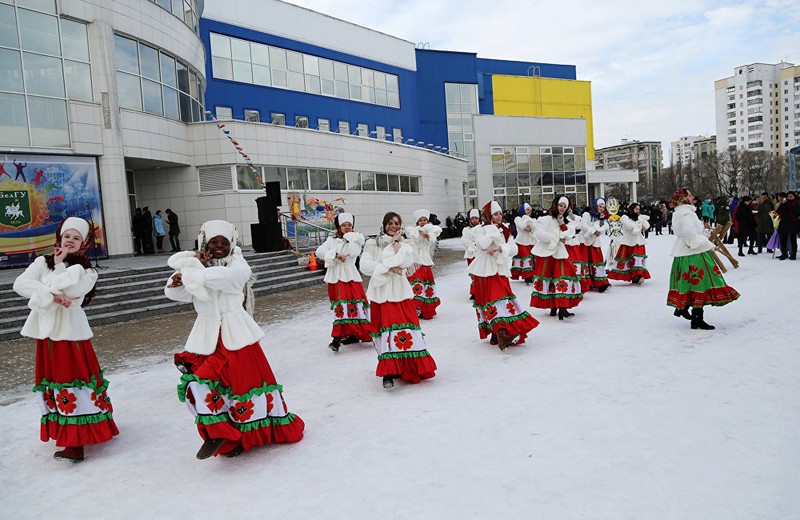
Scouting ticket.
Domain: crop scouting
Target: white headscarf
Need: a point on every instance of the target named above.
(222, 228)
(419, 214)
(77, 224)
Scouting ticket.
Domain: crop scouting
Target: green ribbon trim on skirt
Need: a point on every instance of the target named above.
(404, 355)
(423, 282)
(224, 390)
(495, 303)
(77, 420)
(555, 280)
(351, 322)
(426, 300)
(396, 326)
(365, 303)
(507, 319)
(245, 427)
(44, 385)
(553, 296)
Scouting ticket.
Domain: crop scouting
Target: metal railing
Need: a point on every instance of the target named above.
(302, 232)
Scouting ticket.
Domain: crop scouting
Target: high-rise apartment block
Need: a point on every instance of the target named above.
(643, 156)
(757, 108)
(687, 151)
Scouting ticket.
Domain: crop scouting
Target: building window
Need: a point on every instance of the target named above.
(380, 132)
(44, 61)
(362, 130)
(323, 125)
(397, 135)
(244, 61)
(224, 113)
(149, 80)
(253, 116)
(344, 127)
(301, 121)
(277, 118)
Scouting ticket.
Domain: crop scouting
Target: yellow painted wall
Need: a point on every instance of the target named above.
(545, 97)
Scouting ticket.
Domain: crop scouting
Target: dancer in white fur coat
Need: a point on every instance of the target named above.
(522, 263)
(498, 310)
(555, 283)
(345, 290)
(595, 225)
(227, 382)
(70, 387)
(630, 262)
(395, 329)
(422, 238)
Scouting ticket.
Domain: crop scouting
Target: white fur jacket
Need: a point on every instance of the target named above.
(633, 230)
(577, 224)
(216, 293)
(592, 226)
(348, 246)
(376, 260)
(690, 236)
(468, 240)
(48, 319)
(525, 237)
(487, 236)
(548, 235)
(423, 247)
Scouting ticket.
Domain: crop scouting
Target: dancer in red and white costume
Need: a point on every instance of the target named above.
(576, 249)
(395, 329)
(345, 290)
(227, 382)
(422, 238)
(70, 386)
(630, 262)
(522, 263)
(499, 313)
(595, 225)
(555, 284)
(468, 240)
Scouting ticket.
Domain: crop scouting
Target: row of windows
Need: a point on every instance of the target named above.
(270, 66)
(152, 81)
(539, 179)
(511, 159)
(44, 60)
(276, 118)
(185, 10)
(326, 180)
(461, 103)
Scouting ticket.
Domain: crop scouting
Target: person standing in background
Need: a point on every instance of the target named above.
(147, 227)
(158, 229)
(174, 230)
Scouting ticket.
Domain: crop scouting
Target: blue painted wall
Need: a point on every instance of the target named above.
(422, 113)
(240, 96)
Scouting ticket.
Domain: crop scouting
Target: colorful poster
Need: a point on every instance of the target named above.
(310, 214)
(36, 193)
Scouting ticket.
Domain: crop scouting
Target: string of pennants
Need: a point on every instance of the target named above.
(238, 147)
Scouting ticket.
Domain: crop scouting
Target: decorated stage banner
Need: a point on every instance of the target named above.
(36, 193)
(309, 214)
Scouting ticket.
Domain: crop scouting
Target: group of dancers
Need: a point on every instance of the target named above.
(227, 382)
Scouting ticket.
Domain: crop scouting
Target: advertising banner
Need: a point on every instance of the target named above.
(36, 193)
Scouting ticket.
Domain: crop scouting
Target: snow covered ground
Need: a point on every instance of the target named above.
(622, 412)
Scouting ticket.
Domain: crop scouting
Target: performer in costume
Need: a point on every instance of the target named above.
(70, 386)
(422, 238)
(227, 382)
(556, 286)
(695, 280)
(468, 240)
(395, 329)
(499, 313)
(345, 290)
(522, 263)
(630, 262)
(576, 249)
(594, 226)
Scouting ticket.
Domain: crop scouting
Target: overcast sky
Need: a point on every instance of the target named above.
(652, 64)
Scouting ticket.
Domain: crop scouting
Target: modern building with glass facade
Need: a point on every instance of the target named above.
(318, 104)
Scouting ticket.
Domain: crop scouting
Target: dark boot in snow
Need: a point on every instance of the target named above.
(388, 382)
(683, 313)
(71, 454)
(209, 448)
(697, 320)
(334, 344)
